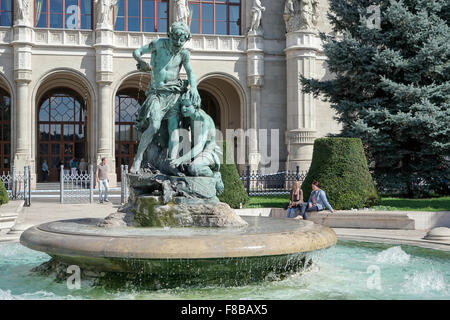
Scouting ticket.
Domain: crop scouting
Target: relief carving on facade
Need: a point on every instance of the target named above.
(23, 11)
(256, 16)
(104, 10)
(301, 14)
(182, 11)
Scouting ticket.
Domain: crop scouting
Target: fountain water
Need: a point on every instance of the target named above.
(340, 272)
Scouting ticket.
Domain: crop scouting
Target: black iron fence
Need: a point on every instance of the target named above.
(263, 184)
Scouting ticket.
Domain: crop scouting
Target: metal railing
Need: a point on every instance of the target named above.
(279, 183)
(76, 187)
(123, 184)
(18, 184)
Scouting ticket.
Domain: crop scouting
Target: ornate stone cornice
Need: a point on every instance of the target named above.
(303, 40)
(22, 35)
(22, 76)
(255, 43)
(104, 38)
(255, 81)
(104, 77)
(301, 136)
(22, 63)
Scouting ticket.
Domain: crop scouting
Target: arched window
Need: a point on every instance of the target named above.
(62, 126)
(5, 131)
(6, 13)
(128, 102)
(215, 16)
(65, 14)
(141, 15)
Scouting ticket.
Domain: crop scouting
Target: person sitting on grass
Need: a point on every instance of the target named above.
(295, 200)
(317, 201)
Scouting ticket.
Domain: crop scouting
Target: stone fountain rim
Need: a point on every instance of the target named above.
(47, 227)
(315, 237)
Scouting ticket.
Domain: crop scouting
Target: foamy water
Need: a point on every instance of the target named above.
(394, 255)
(349, 270)
(426, 282)
(6, 295)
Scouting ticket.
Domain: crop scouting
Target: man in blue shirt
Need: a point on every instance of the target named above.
(317, 201)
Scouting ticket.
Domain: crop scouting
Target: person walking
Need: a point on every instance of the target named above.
(101, 178)
(317, 201)
(73, 167)
(295, 200)
(44, 171)
(82, 166)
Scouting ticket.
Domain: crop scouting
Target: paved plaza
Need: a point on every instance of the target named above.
(41, 212)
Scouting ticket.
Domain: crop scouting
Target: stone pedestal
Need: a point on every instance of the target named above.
(439, 234)
(300, 146)
(301, 49)
(158, 200)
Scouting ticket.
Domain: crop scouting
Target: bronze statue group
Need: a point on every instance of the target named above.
(173, 107)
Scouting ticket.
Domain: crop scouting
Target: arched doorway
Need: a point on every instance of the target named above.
(224, 99)
(211, 107)
(128, 101)
(5, 131)
(62, 130)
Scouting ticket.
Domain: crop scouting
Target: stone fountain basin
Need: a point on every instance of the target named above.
(266, 246)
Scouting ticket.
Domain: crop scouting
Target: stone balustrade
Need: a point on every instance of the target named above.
(126, 40)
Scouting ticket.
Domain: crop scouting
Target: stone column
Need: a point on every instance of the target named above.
(23, 106)
(104, 119)
(255, 80)
(105, 104)
(301, 49)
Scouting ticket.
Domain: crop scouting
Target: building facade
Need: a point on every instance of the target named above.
(69, 87)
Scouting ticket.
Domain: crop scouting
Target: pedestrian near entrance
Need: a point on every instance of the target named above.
(101, 178)
(44, 171)
(73, 166)
(82, 166)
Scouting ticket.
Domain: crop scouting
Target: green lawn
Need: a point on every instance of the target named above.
(267, 202)
(432, 204)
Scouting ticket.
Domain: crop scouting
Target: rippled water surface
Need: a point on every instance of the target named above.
(349, 270)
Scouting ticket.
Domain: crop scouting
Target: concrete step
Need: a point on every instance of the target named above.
(6, 224)
(52, 194)
(364, 219)
(55, 185)
(55, 193)
(9, 213)
(9, 237)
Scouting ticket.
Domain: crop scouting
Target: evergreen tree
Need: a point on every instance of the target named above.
(392, 88)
